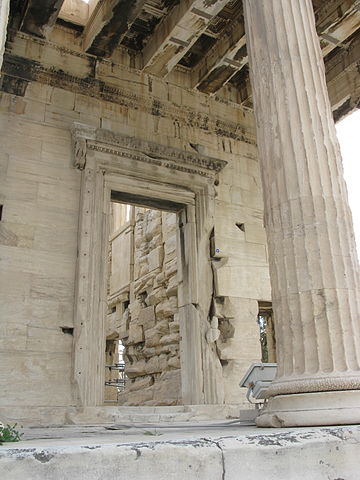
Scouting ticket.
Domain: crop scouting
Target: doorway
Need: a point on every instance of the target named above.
(122, 169)
(142, 322)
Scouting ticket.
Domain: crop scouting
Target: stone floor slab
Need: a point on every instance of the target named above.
(223, 450)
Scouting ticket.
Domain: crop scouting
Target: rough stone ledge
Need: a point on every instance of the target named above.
(217, 453)
(45, 416)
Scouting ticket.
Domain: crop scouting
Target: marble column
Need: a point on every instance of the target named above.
(313, 263)
(4, 16)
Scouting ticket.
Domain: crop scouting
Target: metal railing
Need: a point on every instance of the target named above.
(120, 381)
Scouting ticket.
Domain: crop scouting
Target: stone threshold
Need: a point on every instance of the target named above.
(58, 415)
(194, 450)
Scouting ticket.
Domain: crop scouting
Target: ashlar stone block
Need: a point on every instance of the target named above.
(171, 338)
(166, 308)
(172, 286)
(235, 307)
(152, 337)
(169, 387)
(136, 334)
(136, 369)
(155, 258)
(155, 296)
(140, 383)
(153, 365)
(174, 362)
(147, 317)
(250, 282)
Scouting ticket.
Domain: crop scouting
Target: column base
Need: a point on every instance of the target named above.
(311, 409)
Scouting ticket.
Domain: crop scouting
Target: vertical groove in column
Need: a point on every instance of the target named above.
(285, 260)
(335, 153)
(342, 238)
(290, 144)
(293, 300)
(279, 259)
(313, 269)
(309, 347)
(322, 324)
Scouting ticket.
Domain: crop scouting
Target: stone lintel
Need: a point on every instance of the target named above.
(87, 137)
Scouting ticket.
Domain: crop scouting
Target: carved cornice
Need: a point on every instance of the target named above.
(46, 43)
(86, 137)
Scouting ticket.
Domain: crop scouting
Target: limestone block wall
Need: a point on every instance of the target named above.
(46, 86)
(39, 191)
(143, 311)
(240, 268)
(149, 328)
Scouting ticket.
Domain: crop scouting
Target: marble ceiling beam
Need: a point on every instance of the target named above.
(177, 33)
(223, 60)
(40, 16)
(108, 25)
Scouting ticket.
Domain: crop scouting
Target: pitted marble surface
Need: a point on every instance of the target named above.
(220, 450)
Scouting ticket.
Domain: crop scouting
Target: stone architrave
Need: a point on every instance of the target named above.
(313, 264)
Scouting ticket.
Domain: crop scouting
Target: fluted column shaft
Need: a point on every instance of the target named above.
(4, 17)
(313, 264)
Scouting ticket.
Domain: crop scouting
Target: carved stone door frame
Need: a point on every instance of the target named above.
(174, 179)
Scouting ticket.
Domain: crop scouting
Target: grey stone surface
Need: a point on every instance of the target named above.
(216, 451)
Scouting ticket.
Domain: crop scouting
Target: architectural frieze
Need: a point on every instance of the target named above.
(48, 44)
(27, 70)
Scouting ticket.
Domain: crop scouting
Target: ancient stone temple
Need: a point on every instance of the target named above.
(170, 173)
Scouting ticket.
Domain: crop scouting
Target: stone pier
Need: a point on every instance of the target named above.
(313, 263)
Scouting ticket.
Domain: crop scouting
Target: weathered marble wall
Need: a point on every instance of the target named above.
(39, 189)
(149, 327)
